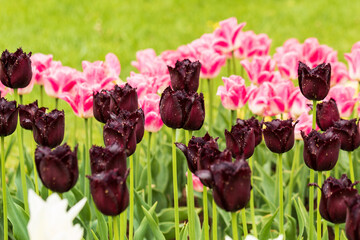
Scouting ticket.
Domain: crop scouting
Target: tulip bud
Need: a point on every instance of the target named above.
(123, 98)
(8, 117)
(348, 132)
(27, 114)
(240, 141)
(314, 83)
(279, 135)
(321, 150)
(109, 191)
(48, 128)
(185, 75)
(232, 184)
(327, 114)
(352, 226)
(255, 125)
(58, 169)
(101, 106)
(15, 69)
(334, 195)
(107, 158)
(121, 131)
(180, 109)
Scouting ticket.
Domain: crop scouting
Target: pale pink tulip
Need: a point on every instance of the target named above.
(205, 42)
(150, 105)
(234, 93)
(339, 73)
(345, 99)
(252, 45)
(149, 64)
(288, 65)
(353, 60)
(170, 57)
(227, 36)
(187, 52)
(27, 89)
(81, 100)
(290, 45)
(211, 63)
(146, 84)
(260, 69)
(198, 186)
(283, 90)
(304, 124)
(39, 63)
(298, 103)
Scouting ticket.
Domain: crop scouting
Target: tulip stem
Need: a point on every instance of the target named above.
(110, 224)
(291, 183)
(56, 103)
(21, 156)
(214, 220)
(352, 175)
(191, 207)
(311, 189)
(41, 95)
(228, 65)
(234, 226)
(131, 220)
(244, 223)
(232, 116)
(149, 178)
(87, 162)
(337, 232)
(234, 63)
(3, 181)
(206, 217)
(327, 175)
(318, 206)
(252, 205)
(175, 187)
(281, 195)
(116, 227)
(210, 117)
(35, 171)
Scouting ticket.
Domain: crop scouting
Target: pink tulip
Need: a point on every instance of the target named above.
(252, 45)
(198, 186)
(27, 89)
(234, 93)
(187, 52)
(283, 90)
(61, 80)
(263, 100)
(304, 124)
(227, 36)
(147, 84)
(150, 105)
(205, 42)
(149, 64)
(298, 103)
(211, 63)
(40, 62)
(353, 60)
(4, 90)
(170, 57)
(81, 100)
(260, 69)
(345, 99)
(288, 65)
(339, 73)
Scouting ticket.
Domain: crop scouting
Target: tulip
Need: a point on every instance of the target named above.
(344, 97)
(253, 45)
(107, 158)
(145, 84)
(321, 150)
(109, 191)
(180, 109)
(8, 117)
(240, 141)
(348, 132)
(58, 168)
(50, 219)
(327, 114)
(255, 125)
(135, 116)
(185, 75)
(211, 63)
(304, 125)
(353, 60)
(15, 69)
(81, 100)
(314, 83)
(27, 114)
(101, 105)
(260, 69)
(48, 128)
(279, 135)
(150, 105)
(123, 98)
(352, 226)
(232, 185)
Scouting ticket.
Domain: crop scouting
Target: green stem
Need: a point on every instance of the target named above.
(149, 178)
(281, 195)
(87, 162)
(234, 62)
(232, 116)
(21, 156)
(35, 171)
(228, 67)
(3, 182)
(56, 103)
(110, 225)
(122, 225)
(293, 167)
(327, 175)
(352, 175)
(214, 220)
(311, 189)
(234, 226)
(206, 217)
(41, 96)
(131, 220)
(314, 115)
(175, 187)
(337, 232)
(191, 207)
(244, 222)
(318, 216)
(210, 117)
(252, 205)
(116, 227)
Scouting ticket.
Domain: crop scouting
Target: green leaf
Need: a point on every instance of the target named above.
(265, 231)
(184, 233)
(85, 213)
(302, 218)
(102, 226)
(153, 225)
(143, 227)
(94, 235)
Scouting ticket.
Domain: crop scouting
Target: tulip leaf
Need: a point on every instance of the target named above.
(265, 231)
(302, 218)
(184, 233)
(85, 213)
(267, 183)
(290, 227)
(143, 227)
(153, 225)
(197, 226)
(94, 235)
(342, 235)
(9, 146)
(102, 226)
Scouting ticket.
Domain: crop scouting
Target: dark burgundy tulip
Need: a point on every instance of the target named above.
(48, 128)
(179, 109)
(255, 125)
(314, 83)
(27, 114)
(58, 169)
(123, 98)
(107, 158)
(334, 195)
(101, 105)
(321, 150)
(232, 184)
(15, 69)
(240, 141)
(348, 132)
(352, 226)
(109, 191)
(121, 131)
(8, 117)
(279, 135)
(185, 75)
(327, 114)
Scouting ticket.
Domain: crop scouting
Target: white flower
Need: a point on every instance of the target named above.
(49, 219)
